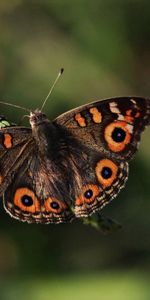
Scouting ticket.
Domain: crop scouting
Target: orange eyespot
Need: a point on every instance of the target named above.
(54, 206)
(89, 193)
(117, 136)
(106, 172)
(26, 200)
(7, 140)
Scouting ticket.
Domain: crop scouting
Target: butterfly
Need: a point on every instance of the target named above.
(71, 167)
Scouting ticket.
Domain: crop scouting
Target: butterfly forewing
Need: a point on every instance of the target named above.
(16, 145)
(113, 126)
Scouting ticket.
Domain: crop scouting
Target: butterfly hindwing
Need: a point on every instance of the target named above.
(100, 181)
(32, 196)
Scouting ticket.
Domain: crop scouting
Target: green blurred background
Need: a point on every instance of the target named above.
(104, 47)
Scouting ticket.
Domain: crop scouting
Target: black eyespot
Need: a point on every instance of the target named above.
(88, 194)
(118, 135)
(54, 205)
(106, 172)
(27, 200)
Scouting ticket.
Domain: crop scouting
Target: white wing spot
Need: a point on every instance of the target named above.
(130, 128)
(113, 108)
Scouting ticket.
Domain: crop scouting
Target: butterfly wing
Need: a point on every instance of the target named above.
(33, 197)
(16, 144)
(31, 187)
(113, 126)
(97, 180)
(107, 134)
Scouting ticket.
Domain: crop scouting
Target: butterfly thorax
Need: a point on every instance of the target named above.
(45, 133)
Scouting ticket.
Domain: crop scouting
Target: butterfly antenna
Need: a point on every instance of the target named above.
(14, 105)
(51, 89)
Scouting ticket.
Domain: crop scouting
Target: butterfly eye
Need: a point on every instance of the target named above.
(106, 172)
(118, 135)
(89, 193)
(37, 118)
(26, 200)
(54, 206)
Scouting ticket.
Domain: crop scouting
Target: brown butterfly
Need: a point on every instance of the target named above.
(70, 167)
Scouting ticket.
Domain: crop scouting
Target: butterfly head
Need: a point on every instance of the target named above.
(37, 117)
